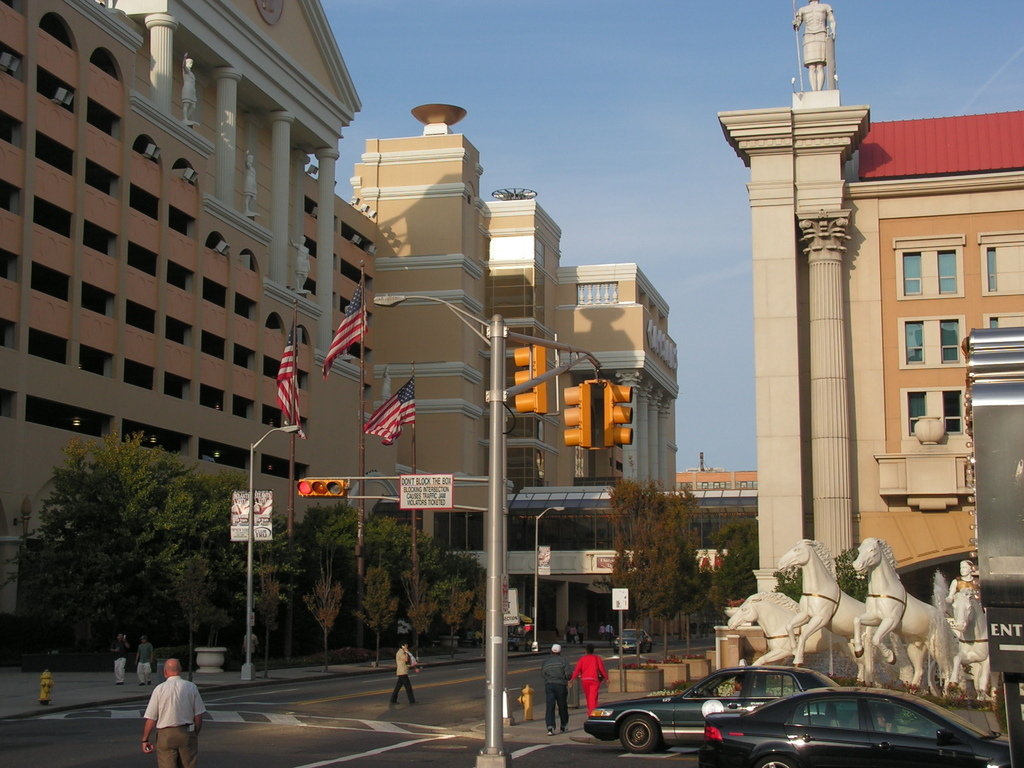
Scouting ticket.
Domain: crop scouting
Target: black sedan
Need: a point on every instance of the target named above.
(644, 725)
(849, 727)
(627, 643)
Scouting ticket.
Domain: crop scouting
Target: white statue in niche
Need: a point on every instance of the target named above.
(301, 265)
(249, 190)
(188, 90)
(819, 25)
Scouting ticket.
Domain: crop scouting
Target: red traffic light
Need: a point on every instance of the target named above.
(324, 487)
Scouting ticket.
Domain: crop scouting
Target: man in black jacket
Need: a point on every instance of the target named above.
(556, 673)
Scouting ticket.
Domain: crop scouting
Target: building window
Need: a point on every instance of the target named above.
(947, 272)
(912, 274)
(991, 270)
(947, 404)
(917, 404)
(930, 266)
(951, 411)
(597, 293)
(95, 360)
(1006, 321)
(949, 339)
(1003, 262)
(47, 346)
(914, 335)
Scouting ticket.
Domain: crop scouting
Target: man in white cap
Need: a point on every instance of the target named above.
(556, 673)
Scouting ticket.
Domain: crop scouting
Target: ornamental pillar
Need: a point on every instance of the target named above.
(227, 133)
(161, 28)
(326, 159)
(280, 161)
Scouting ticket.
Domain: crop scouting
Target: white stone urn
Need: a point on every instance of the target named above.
(210, 660)
(929, 430)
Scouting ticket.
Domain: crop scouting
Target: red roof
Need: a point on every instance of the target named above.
(943, 145)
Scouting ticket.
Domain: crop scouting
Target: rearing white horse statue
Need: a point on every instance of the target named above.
(823, 605)
(891, 610)
(971, 631)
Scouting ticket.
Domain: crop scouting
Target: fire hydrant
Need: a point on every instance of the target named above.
(45, 686)
(526, 699)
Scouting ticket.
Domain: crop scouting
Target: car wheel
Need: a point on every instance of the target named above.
(775, 761)
(640, 735)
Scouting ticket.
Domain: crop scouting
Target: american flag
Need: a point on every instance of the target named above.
(386, 422)
(350, 330)
(288, 385)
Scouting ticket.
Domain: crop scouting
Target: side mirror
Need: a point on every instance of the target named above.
(944, 738)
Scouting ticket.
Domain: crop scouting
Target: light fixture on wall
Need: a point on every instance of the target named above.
(356, 239)
(222, 247)
(371, 248)
(189, 174)
(9, 62)
(152, 151)
(314, 210)
(64, 96)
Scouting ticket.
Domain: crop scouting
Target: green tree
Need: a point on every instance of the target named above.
(192, 589)
(380, 605)
(456, 602)
(268, 604)
(790, 581)
(654, 554)
(735, 580)
(421, 608)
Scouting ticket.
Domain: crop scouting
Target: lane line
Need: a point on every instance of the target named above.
(382, 691)
(372, 752)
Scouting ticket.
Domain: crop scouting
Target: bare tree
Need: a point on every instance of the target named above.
(267, 604)
(457, 603)
(324, 602)
(379, 606)
(421, 609)
(192, 588)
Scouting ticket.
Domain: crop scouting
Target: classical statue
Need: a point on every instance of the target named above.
(249, 190)
(968, 579)
(301, 264)
(188, 90)
(819, 25)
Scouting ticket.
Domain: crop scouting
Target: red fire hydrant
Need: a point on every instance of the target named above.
(45, 686)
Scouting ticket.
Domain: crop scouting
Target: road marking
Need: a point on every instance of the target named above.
(527, 750)
(274, 692)
(372, 752)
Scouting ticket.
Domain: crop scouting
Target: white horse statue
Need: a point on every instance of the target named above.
(971, 631)
(891, 610)
(823, 605)
(772, 612)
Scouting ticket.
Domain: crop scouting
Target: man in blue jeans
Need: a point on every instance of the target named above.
(556, 673)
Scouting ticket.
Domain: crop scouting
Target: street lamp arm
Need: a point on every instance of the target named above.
(468, 319)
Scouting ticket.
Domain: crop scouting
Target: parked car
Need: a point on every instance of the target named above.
(849, 726)
(626, 643)
(646, 724)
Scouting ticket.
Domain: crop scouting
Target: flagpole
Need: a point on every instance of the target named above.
(290, 524)
(412, 516)
(361, 517)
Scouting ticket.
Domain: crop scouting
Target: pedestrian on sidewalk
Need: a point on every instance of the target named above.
(555, 671)
(404, 661)
(176, 712)
(120, 647)
(144, 660)
(591, 672)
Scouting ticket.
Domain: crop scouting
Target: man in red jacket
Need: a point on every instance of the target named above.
(591, 672)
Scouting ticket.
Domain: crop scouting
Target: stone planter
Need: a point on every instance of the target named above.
(929, 430)
(637, 680)
(210, 660)
(674, 672)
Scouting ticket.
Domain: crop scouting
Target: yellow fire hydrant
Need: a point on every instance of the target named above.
(526, 699)
(45, 686)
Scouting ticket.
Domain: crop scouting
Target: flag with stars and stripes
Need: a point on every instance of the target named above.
(350, 330)
(386, 422)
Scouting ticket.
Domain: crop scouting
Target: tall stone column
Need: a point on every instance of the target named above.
(653, 437)
(161, 28)
(280, 160)
(227, 133)
(326, 158)
(643, 458)
(668, 469)
(824, 236)
(631, 453)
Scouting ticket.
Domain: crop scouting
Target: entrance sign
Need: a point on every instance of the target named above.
(263, 527)
(620, 599)
(426, 491)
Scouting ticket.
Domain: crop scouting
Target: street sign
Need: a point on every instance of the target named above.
(620, 599)
(426, 491)
(263, 527)
(512, 609)
(1006, 638)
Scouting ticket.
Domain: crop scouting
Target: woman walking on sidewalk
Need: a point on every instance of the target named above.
(591, 672)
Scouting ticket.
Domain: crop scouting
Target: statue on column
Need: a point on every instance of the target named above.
(249, 190)
(301, 265)
(188, 90)
(819, 25)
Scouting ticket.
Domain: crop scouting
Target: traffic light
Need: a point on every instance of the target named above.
(324, 487)
(533, 361)
(583, 421)
(615, 414)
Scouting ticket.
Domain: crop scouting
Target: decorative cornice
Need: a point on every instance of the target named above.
(150, 112)
(438, 261)
(459, 370)
(824, 233)
(216, 208)
(415, 156)
(416, 192)
(287, 297)
(110, 21)
(937, 185)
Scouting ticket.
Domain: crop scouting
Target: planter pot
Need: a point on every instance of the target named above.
(929, 430)
(637, 680)
(698, 668)
(674, 672)
(210, 660)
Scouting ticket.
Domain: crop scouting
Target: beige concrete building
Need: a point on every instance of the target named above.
(168, 210)
(876, 249)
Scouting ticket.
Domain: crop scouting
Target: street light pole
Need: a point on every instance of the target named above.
(536, 571)
(247, 666)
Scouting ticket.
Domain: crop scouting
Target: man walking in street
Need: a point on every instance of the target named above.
(403, 662)
(120, 648)
(144, 661)
(556, 673)
(176, 712)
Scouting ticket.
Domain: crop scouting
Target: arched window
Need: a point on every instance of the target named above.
(104, 61)
(147, 147)
(57, 28)
(274, 322)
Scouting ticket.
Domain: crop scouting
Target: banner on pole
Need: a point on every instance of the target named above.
(544, 561)
(263, 526)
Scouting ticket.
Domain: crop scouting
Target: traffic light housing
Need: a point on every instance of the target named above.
(533, 362)
(615, 414)
(324, 487)
(583, 420)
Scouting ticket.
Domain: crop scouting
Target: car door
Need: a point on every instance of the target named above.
(904, 737)
(826, 731)
(726, 687)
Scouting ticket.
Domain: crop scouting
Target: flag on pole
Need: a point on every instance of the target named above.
(386, 422)
(288, 385)
(350, 330)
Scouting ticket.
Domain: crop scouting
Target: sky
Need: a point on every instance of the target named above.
(608, 109)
